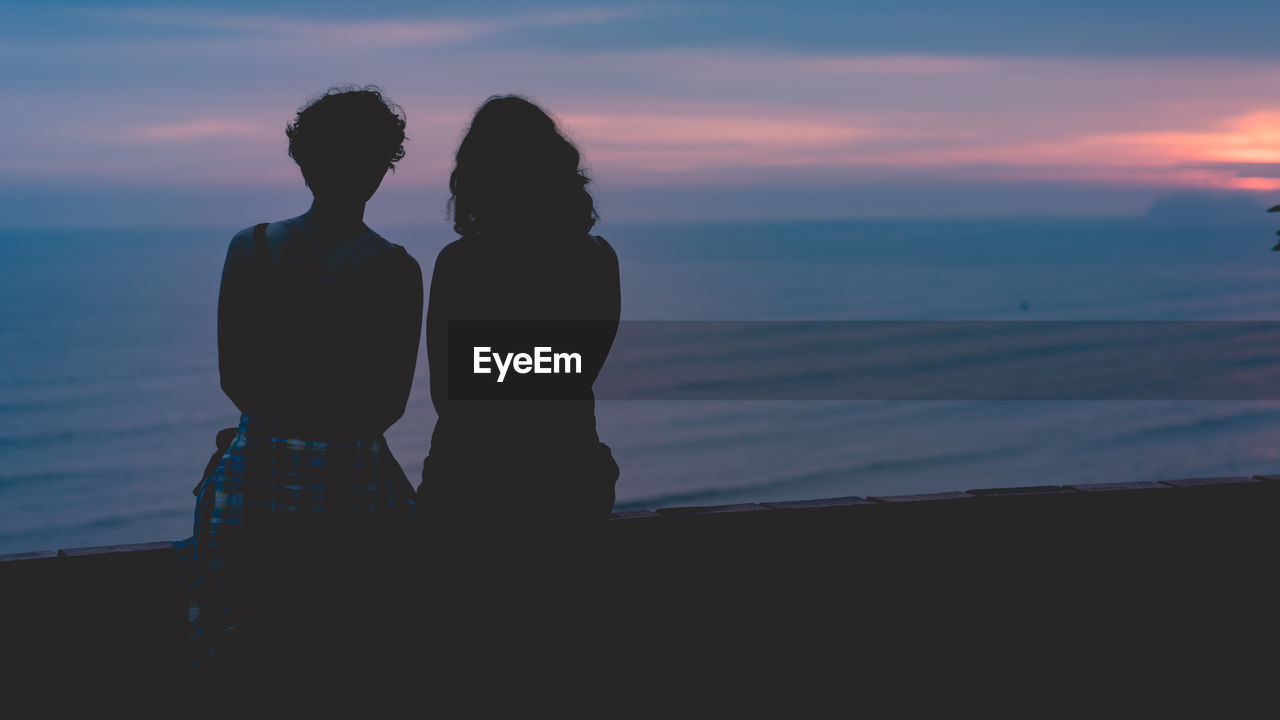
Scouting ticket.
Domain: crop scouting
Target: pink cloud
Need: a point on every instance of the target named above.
(196, 130)
(666, 145)
(630, 130)
(699, 116)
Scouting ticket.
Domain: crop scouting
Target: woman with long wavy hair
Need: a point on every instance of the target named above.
(517, 482)
(527, 266)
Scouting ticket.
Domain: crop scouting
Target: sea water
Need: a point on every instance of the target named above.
(109, 396)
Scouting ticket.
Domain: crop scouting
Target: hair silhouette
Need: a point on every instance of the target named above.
(1275, 209)
(514, 169)
(346, 140)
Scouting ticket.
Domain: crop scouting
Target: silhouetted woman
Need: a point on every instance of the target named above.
(525, 259)
(319, 320)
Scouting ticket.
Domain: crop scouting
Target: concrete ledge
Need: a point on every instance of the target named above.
(712, 509)
(150, 547)
(828, 503)
(1210, 482)
(37, 555)
(633, 515)
(925, 498)
(1122, 487)
(1021, 491)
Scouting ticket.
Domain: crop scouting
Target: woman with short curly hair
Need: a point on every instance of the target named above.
(319, 320)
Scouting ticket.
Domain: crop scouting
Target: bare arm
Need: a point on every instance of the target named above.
(238, 332)
(403, 328)
(439, 309)
(611, 307)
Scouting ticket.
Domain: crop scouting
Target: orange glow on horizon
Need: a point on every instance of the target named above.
(1253, 138)
(1255, 183)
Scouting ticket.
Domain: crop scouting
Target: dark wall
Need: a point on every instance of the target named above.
(1079, 585)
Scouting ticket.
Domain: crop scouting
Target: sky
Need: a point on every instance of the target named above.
(173, 114)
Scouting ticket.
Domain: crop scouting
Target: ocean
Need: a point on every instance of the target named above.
(109, 395)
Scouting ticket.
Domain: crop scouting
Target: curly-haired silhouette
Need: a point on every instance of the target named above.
(525, 259)
(319, 319)
(345, 142)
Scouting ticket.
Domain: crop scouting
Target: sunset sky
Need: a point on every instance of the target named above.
(149, 114)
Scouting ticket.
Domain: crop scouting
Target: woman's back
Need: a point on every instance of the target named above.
(531, 278)
(318, 327)
(319, 333)
(532, 288)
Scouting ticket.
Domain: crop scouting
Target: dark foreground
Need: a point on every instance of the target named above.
(1158, 591)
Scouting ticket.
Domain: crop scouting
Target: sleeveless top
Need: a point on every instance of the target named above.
(523, 454)
(321, 340)
(308, 458)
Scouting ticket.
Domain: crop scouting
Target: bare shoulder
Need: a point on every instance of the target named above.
(453, 254)
(240, 250)
(606, 250)
(392, 258)
(404, 261)
(244, 237)
(601, 243)
(403, 255)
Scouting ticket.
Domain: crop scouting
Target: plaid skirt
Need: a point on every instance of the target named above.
(264, 479)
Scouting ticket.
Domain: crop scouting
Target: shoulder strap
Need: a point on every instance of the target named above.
(262, 254)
